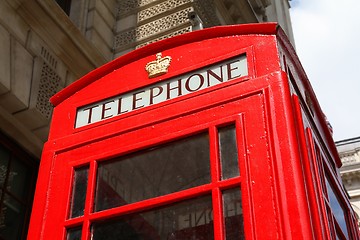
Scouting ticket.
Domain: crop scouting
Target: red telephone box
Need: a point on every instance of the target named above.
(215, 134)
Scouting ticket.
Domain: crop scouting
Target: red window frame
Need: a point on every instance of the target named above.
(215, 187)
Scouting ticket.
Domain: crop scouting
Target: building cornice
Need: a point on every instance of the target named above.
(66, 40)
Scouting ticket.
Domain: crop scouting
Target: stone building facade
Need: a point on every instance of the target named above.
(349, 151)
(46, 45)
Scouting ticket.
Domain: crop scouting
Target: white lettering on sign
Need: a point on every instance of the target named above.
(162, 91)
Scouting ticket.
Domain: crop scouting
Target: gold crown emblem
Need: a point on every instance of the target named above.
(159, 66)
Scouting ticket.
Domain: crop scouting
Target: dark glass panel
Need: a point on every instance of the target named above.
(228, 152)
(19, 178)
(11, 218)
(79, 191)
(336, 208)
(74, 233)
(191, 219)
(154, 172)
(234, 223)
(4, 162)
(65, 5)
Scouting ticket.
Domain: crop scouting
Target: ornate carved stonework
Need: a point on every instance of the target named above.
(159, 19)
(160, 8)
(152, 28)
(48, 86)
(126, 6)
(175, 33)
(348, 159)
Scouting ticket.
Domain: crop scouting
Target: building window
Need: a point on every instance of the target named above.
(65, 5)
(17, 183)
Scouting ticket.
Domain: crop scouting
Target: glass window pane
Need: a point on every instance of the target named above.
(191, 219)
(4, 162)
(11, 218)
(74, 234)
(336, 208)
(79, 192)
(234, 223)
(19, 178)
(228, 152)
(154, 172)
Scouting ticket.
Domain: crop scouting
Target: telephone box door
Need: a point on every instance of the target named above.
(186, 178)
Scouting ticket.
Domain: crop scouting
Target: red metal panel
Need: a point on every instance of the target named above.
(299, 79)
(285, 144)
(41, 195)
(309, 172)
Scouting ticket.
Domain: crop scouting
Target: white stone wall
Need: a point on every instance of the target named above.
(29, 75)
(100, 25)
(349, 152)
(36, 61)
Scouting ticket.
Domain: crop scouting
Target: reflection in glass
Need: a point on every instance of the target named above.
(191, 219)
(79, 191)
(19, 177)
(4, 162)
(74, 234)
(228, 152)
(234, 223)
(11, 218)
(153, 172)
(336, 208)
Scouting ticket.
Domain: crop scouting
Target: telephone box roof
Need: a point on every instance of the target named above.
(152, 49)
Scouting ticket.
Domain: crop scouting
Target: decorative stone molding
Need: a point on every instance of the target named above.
(152, 28)
(126, 6)
(172, 34)
(48, 57)
(167, 18)
(206, 10)
(160, 8)
(21, 66)
(48, 76)
(349, 159)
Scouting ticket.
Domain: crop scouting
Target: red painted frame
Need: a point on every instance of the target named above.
(273, 108)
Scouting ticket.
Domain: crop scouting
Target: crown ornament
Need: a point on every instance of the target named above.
(159, 66)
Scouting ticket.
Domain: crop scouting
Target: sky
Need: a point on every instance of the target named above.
(327, 41)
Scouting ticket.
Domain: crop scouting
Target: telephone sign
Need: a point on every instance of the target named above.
(214, 134)
(163, 91)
